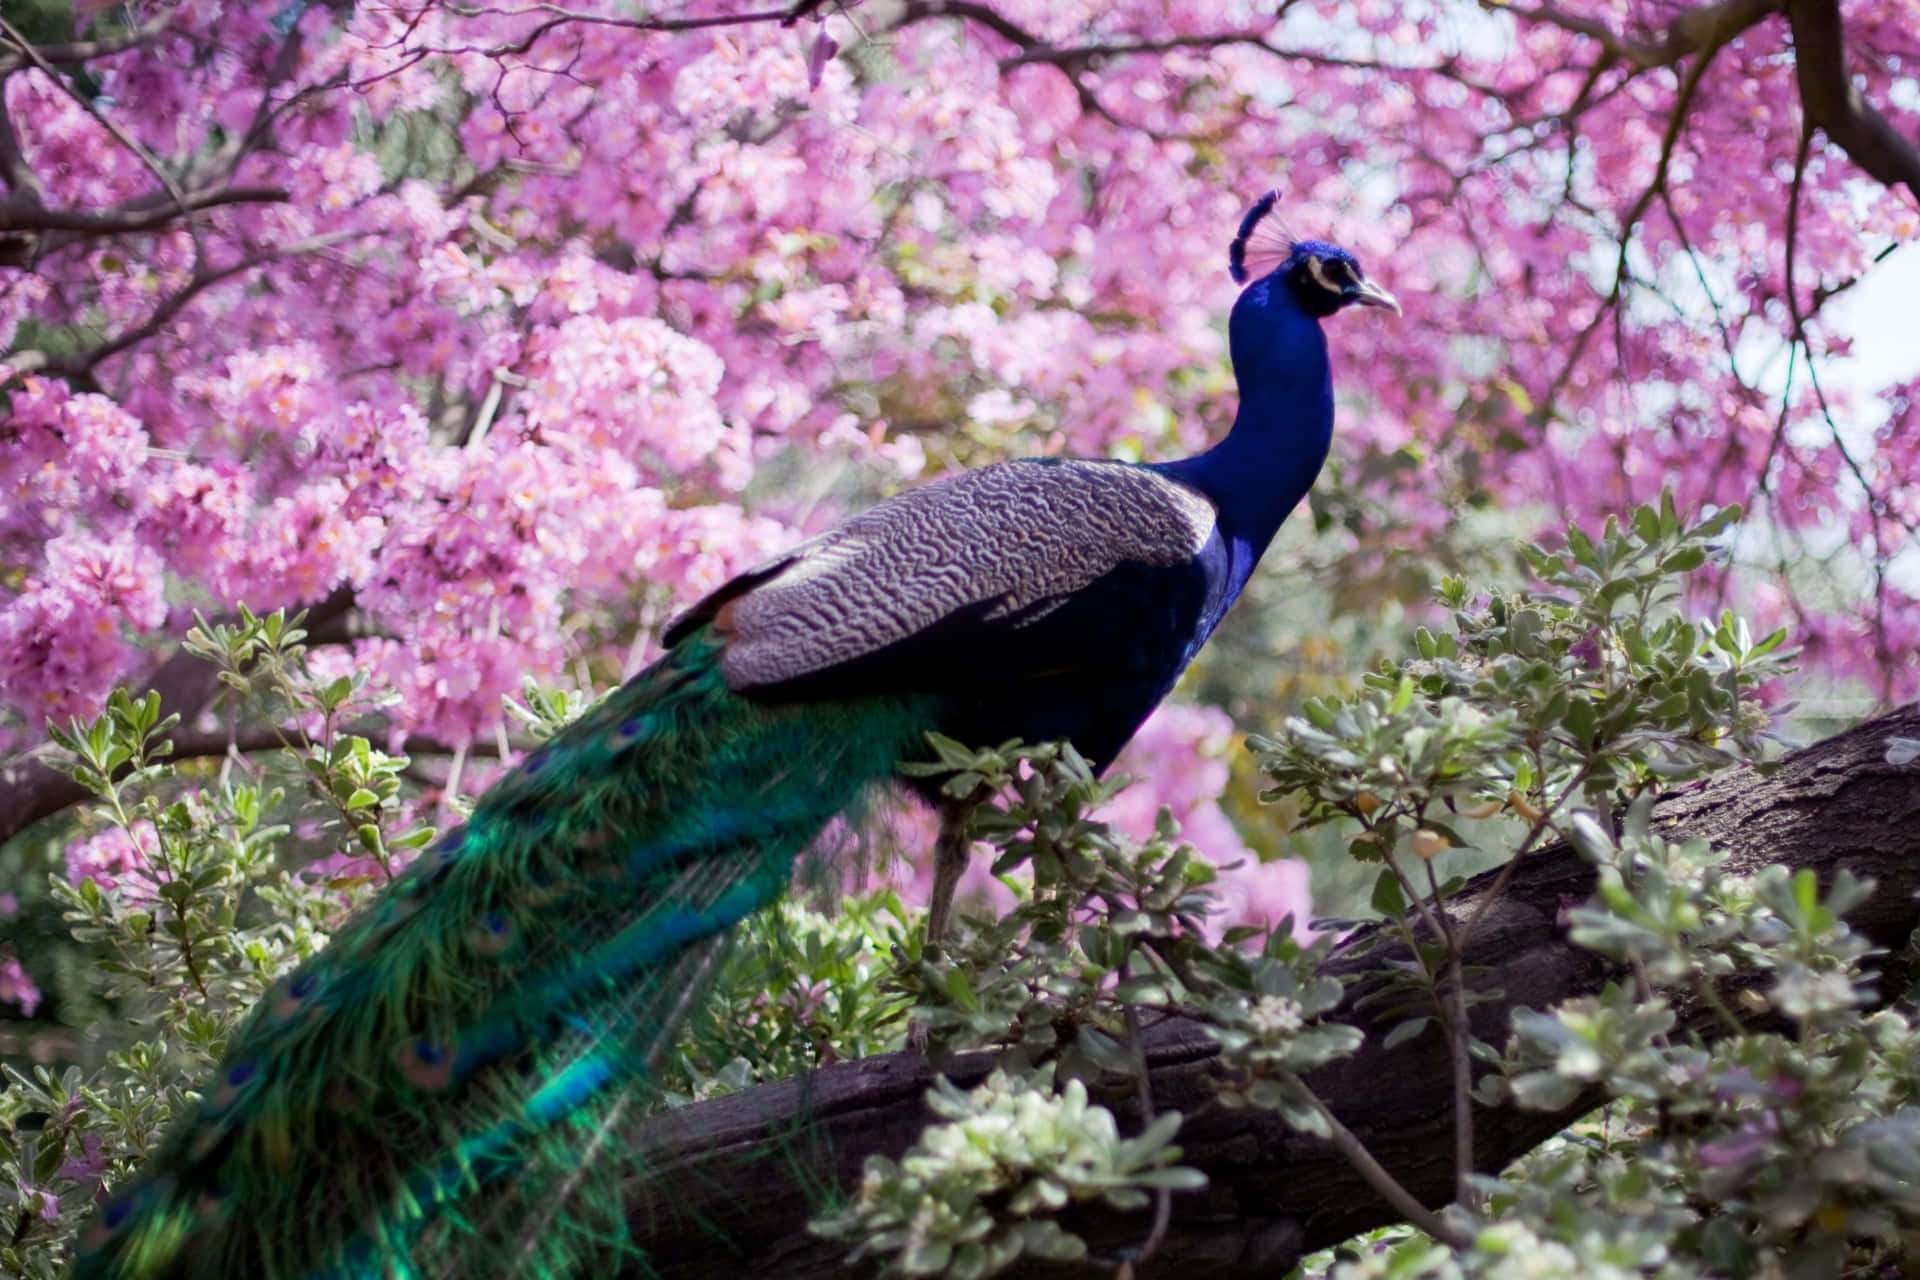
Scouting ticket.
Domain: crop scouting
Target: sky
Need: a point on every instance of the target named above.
(1883, 316)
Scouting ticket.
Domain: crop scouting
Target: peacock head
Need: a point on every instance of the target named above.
(1321, 277)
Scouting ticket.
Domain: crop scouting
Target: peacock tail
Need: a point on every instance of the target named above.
(436, 1080)
(433, 1094)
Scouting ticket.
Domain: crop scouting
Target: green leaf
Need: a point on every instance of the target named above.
(1717, 523)
(1581, 722)
(1684, 560)
(1404, 1032)
(1388, 899)
(1544, 1091)
(1768, 645)
(1646, 521)
(1580, 547)
(1151, 991)
(1402, 697)
(1178, 1178)
(1107, 1052)
(1806, 892)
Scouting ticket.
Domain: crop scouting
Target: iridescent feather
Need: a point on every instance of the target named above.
(520, 977)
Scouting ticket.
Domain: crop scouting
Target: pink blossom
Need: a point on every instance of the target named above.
(1179, 761)
(116, 862)
(1179, 757)
(16, 988)
(1262, 895)
(66, 636)
(86, 1164)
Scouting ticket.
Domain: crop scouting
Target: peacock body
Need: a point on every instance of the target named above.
(419, 1099)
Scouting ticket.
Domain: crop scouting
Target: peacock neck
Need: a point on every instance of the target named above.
(1265, 465)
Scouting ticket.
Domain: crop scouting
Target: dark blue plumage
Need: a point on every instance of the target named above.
(424, 1096)
(1264, 466)
(1093, 634)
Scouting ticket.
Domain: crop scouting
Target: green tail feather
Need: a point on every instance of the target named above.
(418, 1098)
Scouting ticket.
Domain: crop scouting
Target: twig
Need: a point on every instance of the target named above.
(1539, 828)
(1876, 506)
(77, 51)
(1356, 1154)
(125, 139)
(85, 361)
(1459, 1036)
(1143, 1086)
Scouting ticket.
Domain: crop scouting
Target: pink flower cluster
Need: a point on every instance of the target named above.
(70, 629)
(16, 988)
(116, 862)
(1180, 757)
(551, 308)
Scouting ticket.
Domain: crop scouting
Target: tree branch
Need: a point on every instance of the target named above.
(1706, 27)
(78, 51)
(137, 148)
(31, 790)
(1832, 103)
(731, 1183)
(29, 230)
(83, 362)
(141, 214)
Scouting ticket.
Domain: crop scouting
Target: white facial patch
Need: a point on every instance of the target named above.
(1320, 270)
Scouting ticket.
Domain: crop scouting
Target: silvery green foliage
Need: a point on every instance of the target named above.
(1586, 693)
(1101, 923)
(800, 989)
(1535, 711)
(1111, 930)
(1595, 688)
(1274, 1034)
(1756, 1120)
(1105, 933)
(201, 923)
(1513, 1249)
(1788, 1141)
(975, 1193)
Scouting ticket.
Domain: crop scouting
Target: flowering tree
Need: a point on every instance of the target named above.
(496, 318)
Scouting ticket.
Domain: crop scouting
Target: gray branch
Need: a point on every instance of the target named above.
(1832, 103)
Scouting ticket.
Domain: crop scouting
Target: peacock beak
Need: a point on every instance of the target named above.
(1369, 294)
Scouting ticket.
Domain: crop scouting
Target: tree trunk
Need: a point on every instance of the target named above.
(732, 1182)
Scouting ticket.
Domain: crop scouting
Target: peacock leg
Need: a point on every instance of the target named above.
(949, 862)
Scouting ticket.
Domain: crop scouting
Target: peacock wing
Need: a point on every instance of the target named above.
(952, 569)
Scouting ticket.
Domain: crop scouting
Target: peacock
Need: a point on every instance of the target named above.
(423, 1096)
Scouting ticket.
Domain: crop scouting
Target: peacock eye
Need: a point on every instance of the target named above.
(1335, 275)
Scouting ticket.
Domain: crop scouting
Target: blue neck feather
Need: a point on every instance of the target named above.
(1280, 437)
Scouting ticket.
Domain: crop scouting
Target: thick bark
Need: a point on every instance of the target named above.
(732, 1182)
(1832, 102)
